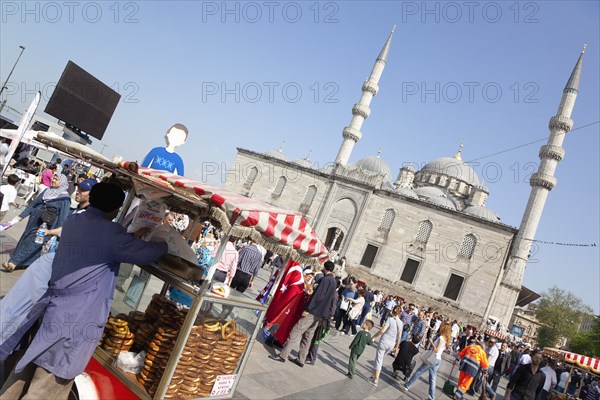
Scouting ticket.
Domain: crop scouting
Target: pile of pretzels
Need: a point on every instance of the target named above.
(117, 336)
(213, 348)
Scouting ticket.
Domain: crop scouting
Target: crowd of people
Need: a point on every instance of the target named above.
(418, 336)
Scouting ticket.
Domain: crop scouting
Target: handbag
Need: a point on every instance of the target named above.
(49, 215)
(428, 357)
(344, 305)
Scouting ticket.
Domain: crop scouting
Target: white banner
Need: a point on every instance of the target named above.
(23, 125)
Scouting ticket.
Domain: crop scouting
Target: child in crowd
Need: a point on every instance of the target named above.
(361, 340)
(9, 194)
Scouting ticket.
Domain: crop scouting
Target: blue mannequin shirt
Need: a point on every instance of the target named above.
(159, 158)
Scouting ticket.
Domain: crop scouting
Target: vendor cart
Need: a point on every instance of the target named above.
(190, 352)
(575, 361)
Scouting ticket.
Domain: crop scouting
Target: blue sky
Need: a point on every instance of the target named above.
(253, 74)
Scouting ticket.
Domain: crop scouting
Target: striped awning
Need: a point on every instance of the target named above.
(593, 364)
(491, 332)
(283, 231)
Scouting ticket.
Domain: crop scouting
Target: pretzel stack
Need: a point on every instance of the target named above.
(117, 335)
(168, 321)
(213, 348)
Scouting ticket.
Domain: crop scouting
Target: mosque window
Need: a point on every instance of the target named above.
(387, 220)
(468, 246)
(309, 196)
(425, 228)
(279, 186)
(369, 255)
(454, 286)
(252, 174)
(410, 271)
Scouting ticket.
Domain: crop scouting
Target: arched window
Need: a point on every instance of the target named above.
(252, 174)
(387, 220)
(425, 228)
(311, 192)
(280, 185)
(468, 246)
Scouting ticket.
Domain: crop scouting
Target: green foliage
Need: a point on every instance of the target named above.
(547, 337)
(588, 343)
(560, 312)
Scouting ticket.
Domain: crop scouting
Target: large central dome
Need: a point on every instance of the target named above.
(454, 168)
(374, 165)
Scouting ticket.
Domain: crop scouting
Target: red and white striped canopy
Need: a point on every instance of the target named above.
(495, 334)
(281, 230)
(274, 224)
(591, 363)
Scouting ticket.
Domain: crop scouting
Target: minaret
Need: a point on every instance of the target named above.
(361, 110)
(541, 183)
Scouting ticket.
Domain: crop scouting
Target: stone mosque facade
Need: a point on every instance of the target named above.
(426, 233)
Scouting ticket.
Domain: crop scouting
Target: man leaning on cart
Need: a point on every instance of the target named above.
(77, 303)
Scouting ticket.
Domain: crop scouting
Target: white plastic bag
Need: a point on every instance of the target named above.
(131, 362)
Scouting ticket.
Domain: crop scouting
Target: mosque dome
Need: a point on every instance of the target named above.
(453, 167)
(303, 162)
(429, 191)
(442, 201)
(482, 212)
(374, 165)
(327, 169)
(278, 154)
(436, 196)
(406, 192)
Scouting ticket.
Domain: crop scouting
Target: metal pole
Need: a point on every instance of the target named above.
(13, 68)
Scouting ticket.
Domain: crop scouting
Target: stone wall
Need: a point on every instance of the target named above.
(423, 301)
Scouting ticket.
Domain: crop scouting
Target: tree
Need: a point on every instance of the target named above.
(588, 343)
(560, 312)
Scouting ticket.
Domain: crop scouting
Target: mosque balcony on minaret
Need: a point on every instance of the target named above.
(352, 134)
(361, 109)
(550, 152)
(560, 122)
(370, 86)
(543, 180)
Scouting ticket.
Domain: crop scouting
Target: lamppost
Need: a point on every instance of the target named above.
(103, 147)
(13, 68)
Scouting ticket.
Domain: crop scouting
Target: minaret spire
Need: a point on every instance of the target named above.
(573, 83)
(542, 182)
(361, 110)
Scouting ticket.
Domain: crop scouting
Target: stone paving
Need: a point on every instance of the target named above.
(264, 378)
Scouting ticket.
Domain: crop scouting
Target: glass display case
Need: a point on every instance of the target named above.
(189, 352)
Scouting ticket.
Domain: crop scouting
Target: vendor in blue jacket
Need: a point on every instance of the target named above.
(77, 303)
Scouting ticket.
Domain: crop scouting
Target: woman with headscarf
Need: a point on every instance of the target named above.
(51, 207)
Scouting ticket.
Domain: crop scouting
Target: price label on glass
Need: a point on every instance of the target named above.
(223, 385)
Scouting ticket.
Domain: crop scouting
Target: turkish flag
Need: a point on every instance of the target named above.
(288, 302)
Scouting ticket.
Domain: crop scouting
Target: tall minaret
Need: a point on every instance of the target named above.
(361, 110)
(541, 183)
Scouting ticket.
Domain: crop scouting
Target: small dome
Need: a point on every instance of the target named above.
(436, 196)
(374, 165)
(303, 162)
(429, 191)
(278, 154)
(452, 167)
(442, 201)
(406, 192)
(327, 169)
(482, 212)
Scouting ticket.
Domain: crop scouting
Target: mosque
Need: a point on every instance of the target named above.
(427, 233)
